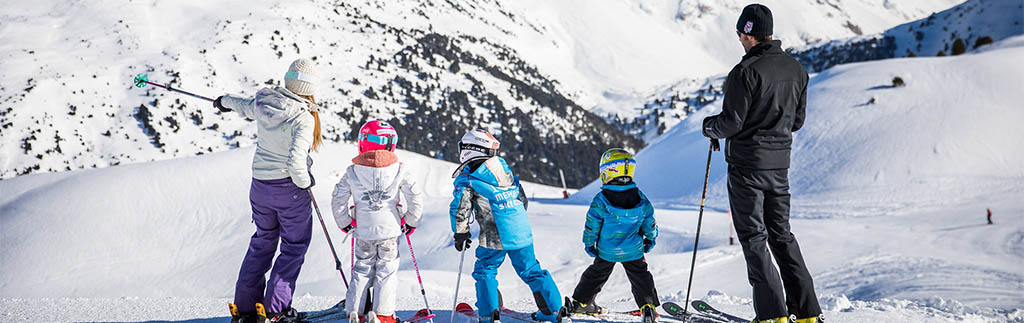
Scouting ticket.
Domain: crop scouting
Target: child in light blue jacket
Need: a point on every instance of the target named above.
(620, 228)
(488, 193)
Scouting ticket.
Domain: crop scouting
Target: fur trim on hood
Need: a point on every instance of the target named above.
(376, 158)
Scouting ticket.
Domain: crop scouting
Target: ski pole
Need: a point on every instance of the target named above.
(430, 314)
(458, 280)
(141, 80)
(337, 262)
(700, 218)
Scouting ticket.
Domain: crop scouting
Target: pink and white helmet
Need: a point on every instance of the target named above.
(377, 134)
(476, 144)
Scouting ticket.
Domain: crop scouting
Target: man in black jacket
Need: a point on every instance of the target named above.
(765, 99)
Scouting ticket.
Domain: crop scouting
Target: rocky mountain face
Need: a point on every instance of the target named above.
(961, 29)
(432, 86)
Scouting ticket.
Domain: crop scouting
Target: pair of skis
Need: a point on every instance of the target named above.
(469, 315)
(703, 313)
(337, 313)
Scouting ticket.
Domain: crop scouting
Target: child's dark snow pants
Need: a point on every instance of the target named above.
(640, 280)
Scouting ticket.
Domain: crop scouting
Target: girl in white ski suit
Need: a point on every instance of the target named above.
(374, 181)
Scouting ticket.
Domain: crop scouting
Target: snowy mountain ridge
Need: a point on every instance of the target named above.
(963, 28)
(527, 70)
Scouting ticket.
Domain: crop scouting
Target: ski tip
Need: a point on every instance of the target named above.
(698, 304)
(671, 307)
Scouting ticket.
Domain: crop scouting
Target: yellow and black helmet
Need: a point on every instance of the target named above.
(616, 162)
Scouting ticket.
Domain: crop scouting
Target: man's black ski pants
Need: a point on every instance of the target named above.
(759, 200)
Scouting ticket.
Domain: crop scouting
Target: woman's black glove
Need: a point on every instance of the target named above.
(216, 104)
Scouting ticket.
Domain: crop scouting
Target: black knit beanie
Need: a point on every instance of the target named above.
(755, 20)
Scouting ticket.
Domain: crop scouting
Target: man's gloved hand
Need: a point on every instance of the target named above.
(408, 229)
(348, 228)
(714, 145)
(648, 245)
(592, 251)
(462, 241)
(216, 104)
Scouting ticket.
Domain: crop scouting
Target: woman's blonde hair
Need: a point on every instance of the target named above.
(317, 140)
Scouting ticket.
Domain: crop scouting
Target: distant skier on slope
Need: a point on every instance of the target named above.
(288, 127)
(487, 191)
(765, 100)
(620, 228)
(374, 181)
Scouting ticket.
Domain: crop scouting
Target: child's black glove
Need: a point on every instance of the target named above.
(408, 229)
(348, 228)
(648, 245)
(592, 251)
(462, 241)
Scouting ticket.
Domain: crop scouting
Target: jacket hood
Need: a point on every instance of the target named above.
(280, 105)
(618, 188)
(493, 171)
(376, 159)
(377, 180)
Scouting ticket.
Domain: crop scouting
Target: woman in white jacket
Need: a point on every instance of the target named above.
(288, 127)
(374, 181)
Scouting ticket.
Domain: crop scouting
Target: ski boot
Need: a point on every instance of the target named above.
(562, 316)
(237, 317)
(494, 318)
(261, 314)
(288, 315)
(356, 318)
(783, 319)
(649, 313)
(589, 308)
(387, 319)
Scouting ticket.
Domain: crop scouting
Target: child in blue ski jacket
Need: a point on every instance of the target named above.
(487, 191)
(620, 228)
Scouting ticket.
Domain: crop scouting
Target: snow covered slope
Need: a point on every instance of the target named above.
(173, 227)
(162, 241)
(873, 148)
